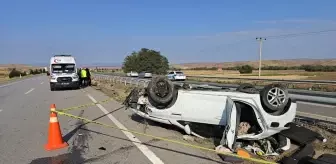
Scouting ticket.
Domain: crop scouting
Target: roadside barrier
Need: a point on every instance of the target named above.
(59, 142)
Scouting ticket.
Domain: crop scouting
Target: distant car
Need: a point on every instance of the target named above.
(132, 74)
(268, 111)
(145, 75)
(176, 75)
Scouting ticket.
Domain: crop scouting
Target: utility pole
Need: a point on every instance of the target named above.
(260, 39)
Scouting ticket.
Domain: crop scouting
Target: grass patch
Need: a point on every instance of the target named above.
(117, 91)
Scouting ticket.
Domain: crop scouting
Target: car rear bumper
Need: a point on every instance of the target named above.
(73, 84)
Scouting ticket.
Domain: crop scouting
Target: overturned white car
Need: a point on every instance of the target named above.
(267, 111)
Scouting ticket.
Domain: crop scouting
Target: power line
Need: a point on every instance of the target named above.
(298, 34)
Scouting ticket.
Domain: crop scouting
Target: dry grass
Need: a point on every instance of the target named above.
(267, 74)
(271, 74)
(116, 91)
(288, 63)
(314, 87)
(5, 69)
(119, 92)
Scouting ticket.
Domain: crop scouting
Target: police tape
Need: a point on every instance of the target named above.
(85, 105)
(164, 139)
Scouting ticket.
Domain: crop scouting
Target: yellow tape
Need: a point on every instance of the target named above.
(166, 139)
(85, 105)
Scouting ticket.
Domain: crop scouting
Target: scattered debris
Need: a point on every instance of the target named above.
(188, 138)
(243, 128)
(102, 148)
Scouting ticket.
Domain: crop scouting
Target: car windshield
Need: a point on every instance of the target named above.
(63, 68)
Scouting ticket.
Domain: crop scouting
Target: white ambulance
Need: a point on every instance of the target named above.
(63, 72)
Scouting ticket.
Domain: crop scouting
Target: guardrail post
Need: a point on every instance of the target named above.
(125, 81)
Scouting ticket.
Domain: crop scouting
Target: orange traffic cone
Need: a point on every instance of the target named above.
(55, 140)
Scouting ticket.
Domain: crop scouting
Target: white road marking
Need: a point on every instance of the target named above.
(42, 82)
(29, 91)
(144, 149)
(316, 104)
(0, 110)
(10, 84)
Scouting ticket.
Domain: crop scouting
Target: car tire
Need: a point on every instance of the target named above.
(274, 98)
(247, 88)
(186, 86)
(160, 90)
(52, 88)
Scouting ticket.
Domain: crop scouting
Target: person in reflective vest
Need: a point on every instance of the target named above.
(84, 76)
(80, 76)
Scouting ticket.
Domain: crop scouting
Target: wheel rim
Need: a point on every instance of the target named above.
(161, 89)
(276, 97)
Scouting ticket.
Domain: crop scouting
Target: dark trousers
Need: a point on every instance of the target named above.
(84, 81)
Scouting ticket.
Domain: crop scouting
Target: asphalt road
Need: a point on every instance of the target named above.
(24, 121)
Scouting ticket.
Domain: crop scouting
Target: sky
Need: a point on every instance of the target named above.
(185, 31)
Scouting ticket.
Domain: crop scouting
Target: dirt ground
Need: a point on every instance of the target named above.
(266, 74)
(120, 91)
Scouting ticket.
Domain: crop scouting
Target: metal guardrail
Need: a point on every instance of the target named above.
(332, 82)
(327, 98)
(274, 80)
(293, 91)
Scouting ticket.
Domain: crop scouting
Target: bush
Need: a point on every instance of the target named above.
(35, 71)
(14, 73)
(245, 69)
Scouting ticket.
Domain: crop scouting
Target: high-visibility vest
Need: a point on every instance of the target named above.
(83, 73)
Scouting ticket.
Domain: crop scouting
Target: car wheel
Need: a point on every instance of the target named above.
(160, 90)
(52, 88)
(186, 86)
(274, 98)
(247, 88)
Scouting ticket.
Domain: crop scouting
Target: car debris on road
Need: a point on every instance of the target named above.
(256, 121)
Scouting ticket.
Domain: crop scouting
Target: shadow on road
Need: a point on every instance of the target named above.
(67, 158)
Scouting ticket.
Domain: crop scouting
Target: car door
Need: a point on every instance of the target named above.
(232, 116)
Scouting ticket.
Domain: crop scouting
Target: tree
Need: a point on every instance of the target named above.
(245, 69)
(146, 60)
(14, 73)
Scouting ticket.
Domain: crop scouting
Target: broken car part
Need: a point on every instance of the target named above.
(301, 135)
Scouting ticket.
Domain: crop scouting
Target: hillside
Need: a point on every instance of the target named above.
(4, 68)
(288, 63)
